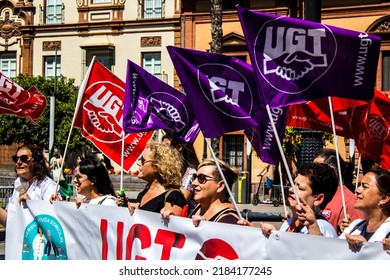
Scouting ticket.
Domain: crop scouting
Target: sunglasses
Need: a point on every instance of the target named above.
(23, 158)
(202, 178)
(144, 160)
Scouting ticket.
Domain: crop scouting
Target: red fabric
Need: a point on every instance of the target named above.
(315, 115)
(184, 212)
(371, 125)
(100, 117)
(14, 100)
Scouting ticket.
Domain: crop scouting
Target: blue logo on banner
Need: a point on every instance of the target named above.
(44, 240)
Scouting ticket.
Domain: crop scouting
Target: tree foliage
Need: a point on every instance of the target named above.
(14, 129)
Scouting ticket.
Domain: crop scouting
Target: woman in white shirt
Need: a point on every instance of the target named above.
(315, 184)
(33, 181)
(373, 199)
(94, 183)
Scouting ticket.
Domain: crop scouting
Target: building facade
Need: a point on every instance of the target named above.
(60, 37)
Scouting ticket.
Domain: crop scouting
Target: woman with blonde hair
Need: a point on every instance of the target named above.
(211, 194)
(160, 166)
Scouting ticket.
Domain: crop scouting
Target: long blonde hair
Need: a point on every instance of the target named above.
(167, 163)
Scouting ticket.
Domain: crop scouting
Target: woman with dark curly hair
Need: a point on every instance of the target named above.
(160, 166)
(33, 180)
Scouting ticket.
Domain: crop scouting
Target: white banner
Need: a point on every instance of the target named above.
(96, 232)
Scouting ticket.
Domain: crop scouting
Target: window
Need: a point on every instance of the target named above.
(386, 71)
(53, 11)
(233, 150)
(152, 8)
(8, 64)
(105, 55)
(151, 62)
(51, 63)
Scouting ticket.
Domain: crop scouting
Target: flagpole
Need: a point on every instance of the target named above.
(122, 157)
(358, 173)
(223, 178)
(282, 154)
(282, 189)
(79, 99)
(337, 156)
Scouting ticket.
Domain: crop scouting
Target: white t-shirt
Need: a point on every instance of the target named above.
(108, 200)
(326, 228)
(39, 190)
(357, 226)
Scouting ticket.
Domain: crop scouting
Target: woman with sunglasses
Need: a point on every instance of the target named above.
(33, 181)
(210, 192)
(160, 166)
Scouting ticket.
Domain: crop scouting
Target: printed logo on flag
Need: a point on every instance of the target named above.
(293, 54)
(377, 128)
(161, 105)
(104, 109)
(222, 92)
(44, 239)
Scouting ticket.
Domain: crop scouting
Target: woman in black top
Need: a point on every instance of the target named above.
(160, 166)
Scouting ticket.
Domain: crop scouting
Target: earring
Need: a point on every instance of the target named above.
(315, 208)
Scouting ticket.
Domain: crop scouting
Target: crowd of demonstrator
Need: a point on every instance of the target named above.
(178, 184)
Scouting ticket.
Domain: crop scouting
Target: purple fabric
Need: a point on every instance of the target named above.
(222, 97)
(151, 104)
(296, 60)
(224, 94)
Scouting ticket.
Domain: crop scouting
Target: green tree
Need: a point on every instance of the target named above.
(14, 129)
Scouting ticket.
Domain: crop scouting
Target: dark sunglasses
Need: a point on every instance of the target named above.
(202, 178)
(23, 158)
(144, 160)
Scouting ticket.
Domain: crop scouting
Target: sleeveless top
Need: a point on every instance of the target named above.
(157, 203)
(226, 215)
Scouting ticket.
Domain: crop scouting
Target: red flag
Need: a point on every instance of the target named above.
(15, 100)
(100, 117)
(315, 115)
(371, 125)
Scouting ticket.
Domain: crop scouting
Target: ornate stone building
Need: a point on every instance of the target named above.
(34, 33)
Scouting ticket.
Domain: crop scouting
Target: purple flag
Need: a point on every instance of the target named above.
(296, 60)
(262, 137)
(221, 95)
(224, 92)
(151, 104)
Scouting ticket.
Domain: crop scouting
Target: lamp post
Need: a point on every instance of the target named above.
(52, 106)
(311, 139)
